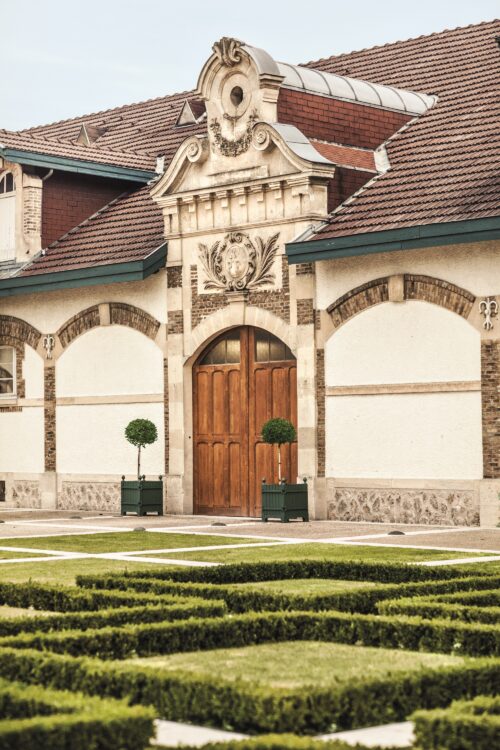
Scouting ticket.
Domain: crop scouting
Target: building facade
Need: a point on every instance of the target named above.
(320, 243)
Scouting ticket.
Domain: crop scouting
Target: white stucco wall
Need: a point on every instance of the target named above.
(108, 361)
(48, 312)
(21, 441)
(32, 373)
(90, 439)
(405, 436)
(409, 342)
(474, 267)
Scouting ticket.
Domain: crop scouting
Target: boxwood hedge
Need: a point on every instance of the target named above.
(249, 708)
(465, 725)
(33, 718)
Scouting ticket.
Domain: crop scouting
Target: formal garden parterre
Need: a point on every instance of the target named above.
(252, 647)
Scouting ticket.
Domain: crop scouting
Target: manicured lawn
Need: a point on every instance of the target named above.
(308, 586)
(317, 551)
(296, 664)
(132, 541)
(65, 571)
(7, 555)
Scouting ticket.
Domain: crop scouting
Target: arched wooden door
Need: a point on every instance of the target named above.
(244, 378)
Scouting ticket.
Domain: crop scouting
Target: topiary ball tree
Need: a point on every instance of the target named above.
(141, 432)
(278, 431)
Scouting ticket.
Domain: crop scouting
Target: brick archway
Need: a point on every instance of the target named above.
(414, 287)
(112, 313)
(16, 332)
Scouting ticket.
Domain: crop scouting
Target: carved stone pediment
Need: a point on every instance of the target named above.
(228, 51)
(237, 263)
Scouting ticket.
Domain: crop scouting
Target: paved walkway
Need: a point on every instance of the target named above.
(174, 734)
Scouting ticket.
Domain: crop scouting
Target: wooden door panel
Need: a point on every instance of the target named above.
(235, 404)
(219, 403)
(235, 466)
(231, 402)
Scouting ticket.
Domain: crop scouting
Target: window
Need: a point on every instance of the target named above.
(7, 370)
(7, 216)
(7, 184)
(225, 351)
(268, 348)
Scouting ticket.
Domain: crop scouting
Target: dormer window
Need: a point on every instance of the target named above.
(7, 216)
(7, 370)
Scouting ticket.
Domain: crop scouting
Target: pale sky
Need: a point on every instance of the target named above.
(62, 58)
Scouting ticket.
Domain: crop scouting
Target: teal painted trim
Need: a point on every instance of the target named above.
(76, 165)
(425, 235)
(114, 273)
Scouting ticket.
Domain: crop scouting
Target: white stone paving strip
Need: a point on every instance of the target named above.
(173, 734)
(416, 546)
(460, 561)
(388, 735)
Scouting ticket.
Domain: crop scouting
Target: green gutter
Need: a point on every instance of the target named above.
(425, 235)
(76, 165)
(114, 273)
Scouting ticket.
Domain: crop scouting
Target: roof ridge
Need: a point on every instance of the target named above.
(399, 41)
(105, 111)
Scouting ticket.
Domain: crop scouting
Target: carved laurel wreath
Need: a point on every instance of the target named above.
(252, 269)
(236, 147)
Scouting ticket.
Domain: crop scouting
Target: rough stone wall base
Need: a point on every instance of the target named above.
(101, 496)
(439, 506)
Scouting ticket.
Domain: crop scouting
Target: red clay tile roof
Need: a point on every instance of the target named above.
(135, 134)
(446, 165)
(96, 153)
(346, 156)
(128, 229)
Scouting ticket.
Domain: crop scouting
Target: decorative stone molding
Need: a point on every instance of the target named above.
(228, 51)
(235, 147)
(133, 317)
(238, 263)
(78, 324)
(489, 309)
(490, 395)
(48, 344)
(413, 506)
(416, 287)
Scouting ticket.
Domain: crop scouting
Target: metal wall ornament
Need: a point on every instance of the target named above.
(237, 263)
(228, 147)
(489, 308)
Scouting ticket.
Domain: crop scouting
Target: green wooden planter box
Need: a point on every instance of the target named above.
(141, 496)
(284, 501)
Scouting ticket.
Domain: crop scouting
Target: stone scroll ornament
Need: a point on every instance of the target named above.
(237, 263)
(228, 51)
(226, 146)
